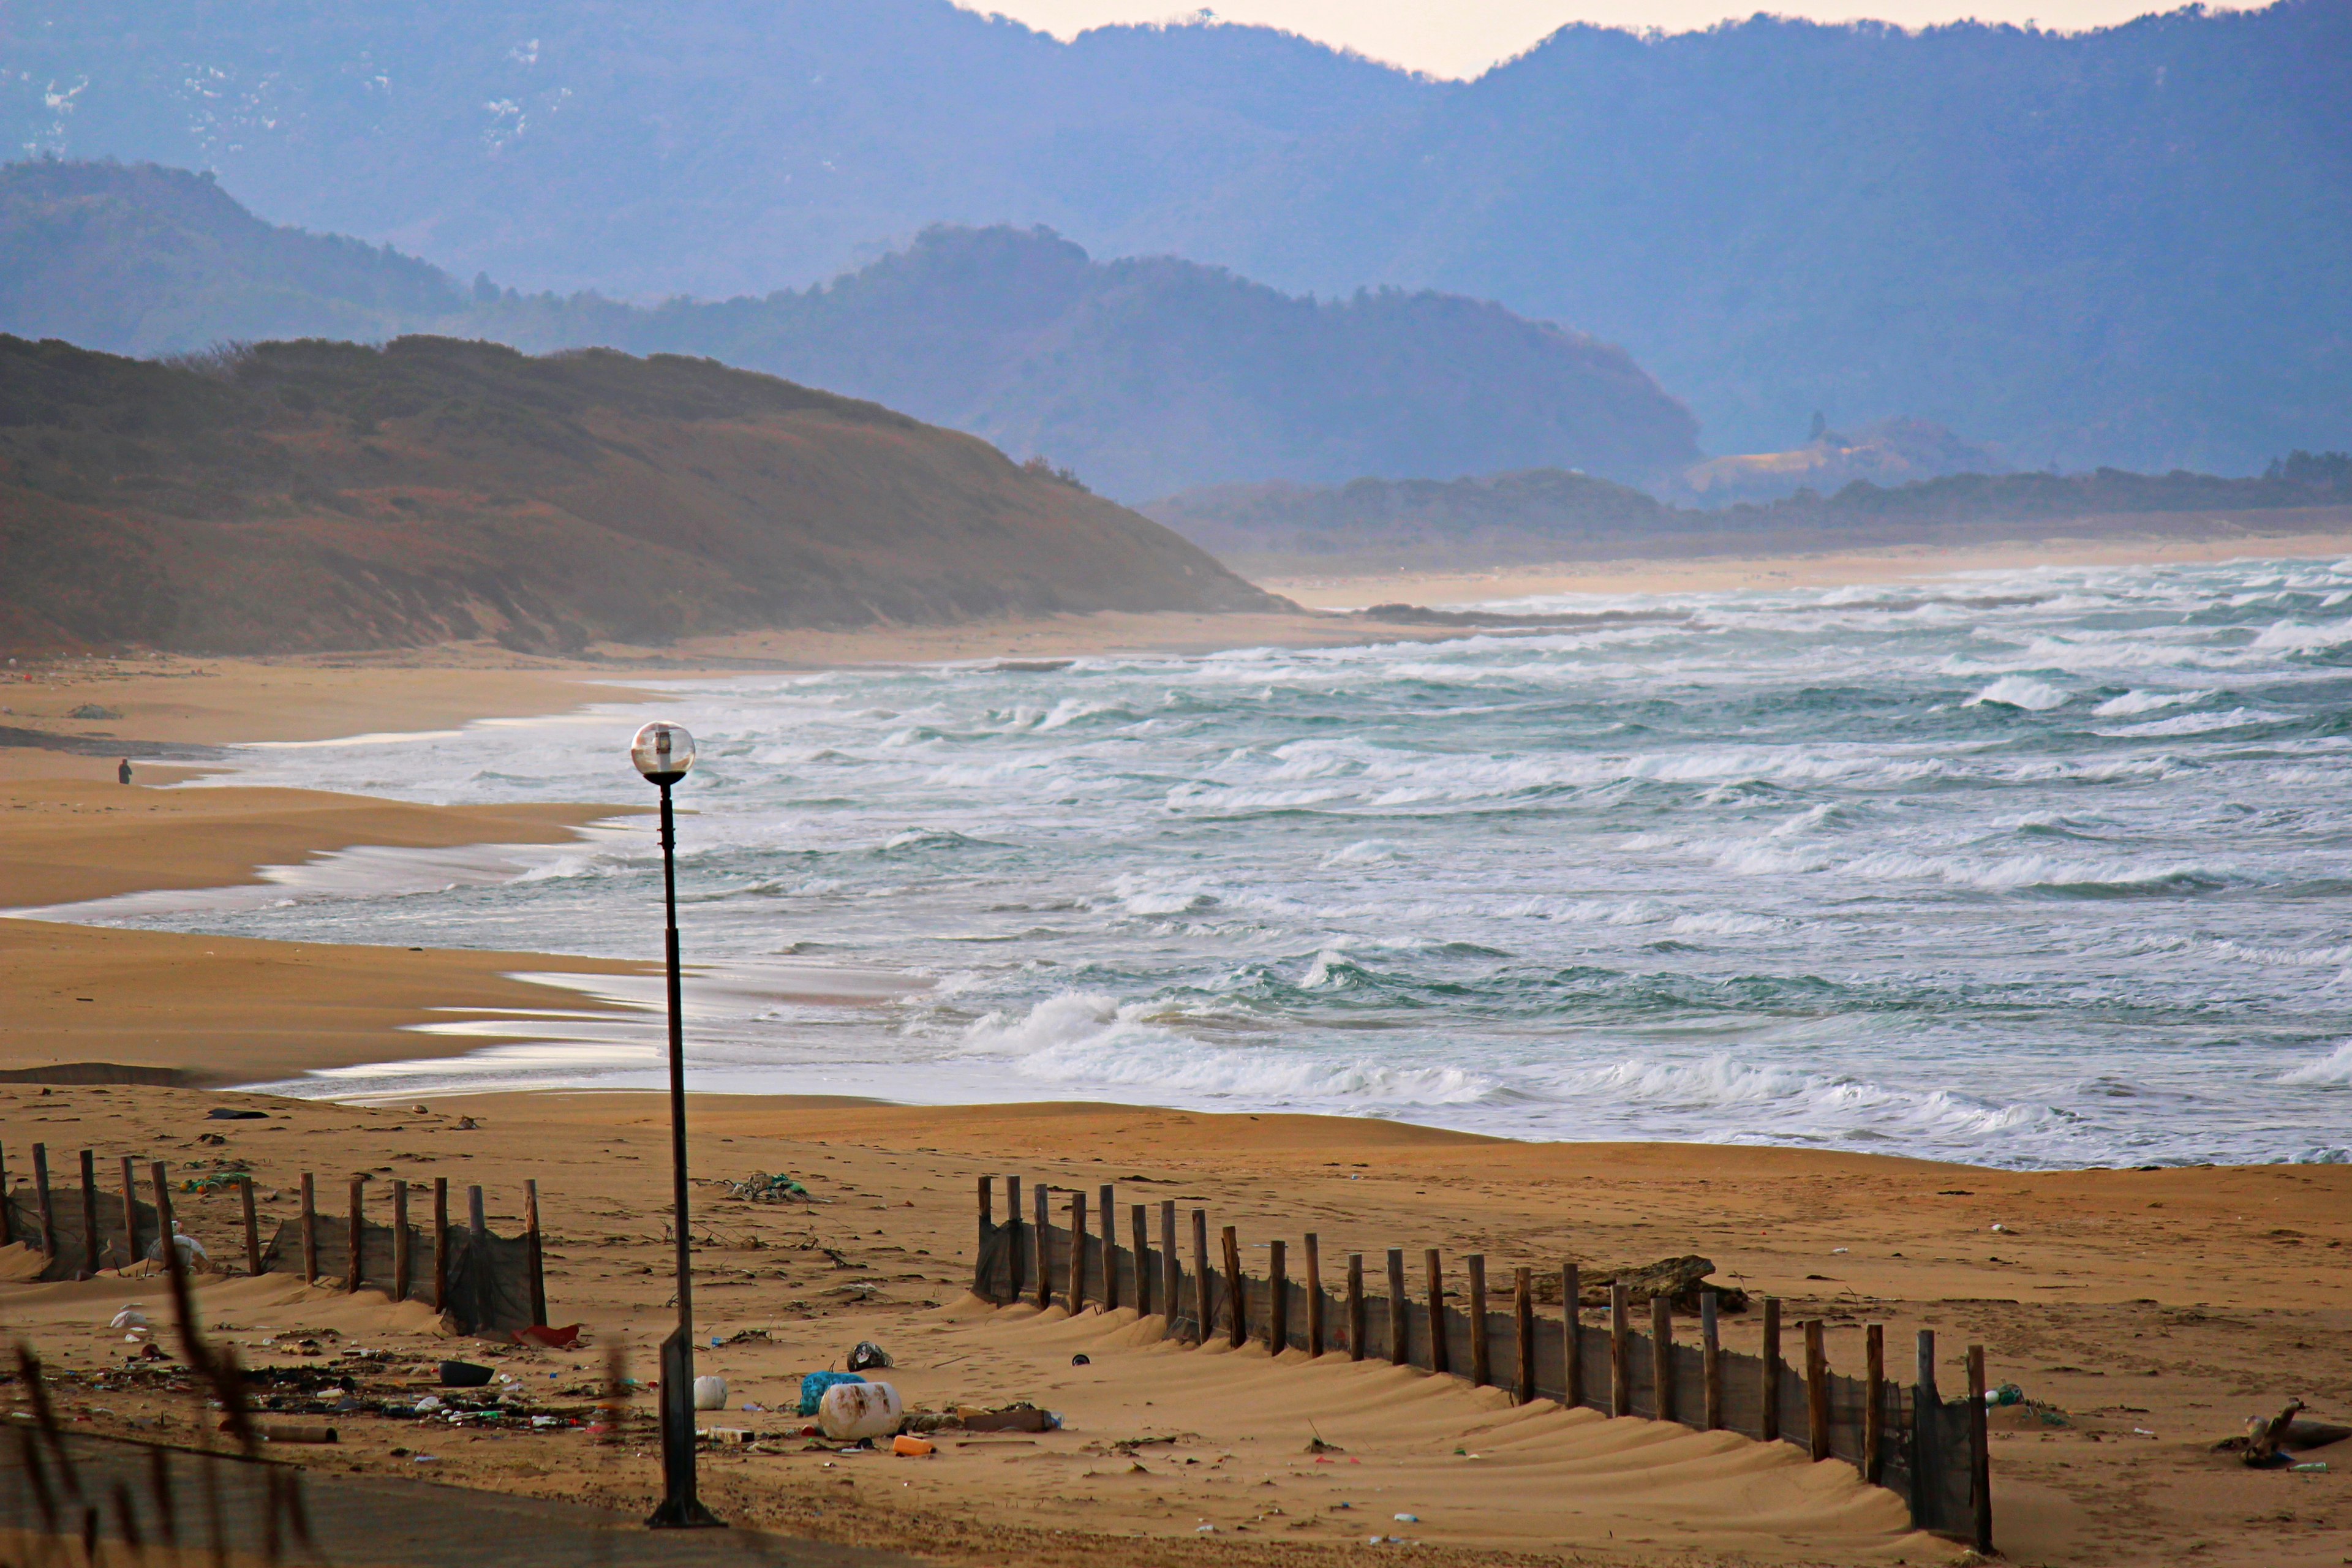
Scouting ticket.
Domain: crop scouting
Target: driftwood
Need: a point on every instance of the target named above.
(1683, 1281)
(2267, 1442)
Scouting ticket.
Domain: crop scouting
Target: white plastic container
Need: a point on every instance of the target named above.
(853, 1410)
(710, 1393)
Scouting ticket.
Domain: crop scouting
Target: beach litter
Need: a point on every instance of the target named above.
(235, 1113)
(2007, 1393)
(907, 1448)
(763, 1188)
(851, 1411)
(865, 1355)
(464, 1374)
(710, 1393)
(2269, 1439)
(813, 1387)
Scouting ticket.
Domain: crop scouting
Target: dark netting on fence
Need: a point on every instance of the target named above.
(1931, 1441)
(486, 1287)
(68, 1256)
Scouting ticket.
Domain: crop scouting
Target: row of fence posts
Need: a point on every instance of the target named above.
(1521, 1385)
(94, 1241)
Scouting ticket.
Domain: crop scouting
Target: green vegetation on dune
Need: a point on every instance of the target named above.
(322, 495)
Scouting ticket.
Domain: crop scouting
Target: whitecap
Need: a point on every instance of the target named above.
(2139, 701)
(2333, 1070)
(2020, 692)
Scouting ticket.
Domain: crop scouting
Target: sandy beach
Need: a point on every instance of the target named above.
(2145, 1314)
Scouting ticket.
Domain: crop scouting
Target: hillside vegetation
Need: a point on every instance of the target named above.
(1517, 518)
(318, 495)
(1141, 376)
(2128, 246)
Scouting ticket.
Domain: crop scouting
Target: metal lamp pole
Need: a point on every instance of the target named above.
(664, 754)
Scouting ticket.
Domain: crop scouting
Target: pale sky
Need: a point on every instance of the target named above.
(1463, 38)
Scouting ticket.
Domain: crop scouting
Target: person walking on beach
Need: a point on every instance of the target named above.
(122, 770)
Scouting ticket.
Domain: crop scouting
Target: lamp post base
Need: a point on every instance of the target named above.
(684, 1513)
(680, 1508)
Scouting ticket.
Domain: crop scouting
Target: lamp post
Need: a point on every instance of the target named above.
(664, 752)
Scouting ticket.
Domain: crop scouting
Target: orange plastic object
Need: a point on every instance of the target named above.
(909, 1447)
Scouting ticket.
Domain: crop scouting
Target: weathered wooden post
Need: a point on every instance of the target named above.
(979, 1241)
(1139, 1225)
(1277, 1297)
(309, 1230)
(7, 1209)
(92, 1242)
(1236, 1293)
(1439, 1351)
(1045, 1231)
(1355, 1306)
(1013, 1250)
(1203, 1282)
(353, 1272)
(1817, 1392)
(1980, 1453)
(252, 1225)
(1571, 1300)
(1108, 1209)
(41, 1194)
(1927, 1453)
(1873, 1402)
(478, 1214)
(1662, 1355)
(1314, 1296)
(1482, 1352)
(535, 1252)
(1523, 1330)
(1710, 1344)
(440, 1244)
(1771, 1371)
(1075, 1297)
(1621, 1352)
(1400, 1311)
(401, 1269)
(130, 1211)
(1172, 1276)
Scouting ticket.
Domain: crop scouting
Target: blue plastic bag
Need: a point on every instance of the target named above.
(813, 1385)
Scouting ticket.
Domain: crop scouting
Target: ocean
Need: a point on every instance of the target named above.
(2034, 870)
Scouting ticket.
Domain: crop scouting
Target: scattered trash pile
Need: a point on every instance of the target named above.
(1681, 1280)
(853, 1414)
(763, 1188)
(2271, 1442)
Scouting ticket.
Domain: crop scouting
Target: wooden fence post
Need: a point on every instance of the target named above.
(252, 1225)
(1621, 1352)
(1441, 1351)
(1277, 1297)
(1400, 1311)
(1355, 1306)
(987, 1218)
(1771, 1423)
(1075, 1297)
(1980, 1453)
(1314, 1296)
(535, 1252)
(1817, 1392)
(1662, 1356)
(1139, 1224)
(309, 1230)
(1045, 1226)
(41, 1192)
(1109, 1213)
(1523, 1330)
(478, 1214)
(1172, 1280)
(1013, 1223)
(1873, 1401)
(1236, 1294)
(1926, 1459)
(1203, 1282)
(92, 1243)
(401, 1269)
(1710, 1344)
(7, 1210)
(1482, 1352)
(440, 1244)
(1571, 1300)
(131, 1210)
(159, 1181)
(353, 1273)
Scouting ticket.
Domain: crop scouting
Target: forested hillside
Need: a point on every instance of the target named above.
(1143, 377)
(2130, 246)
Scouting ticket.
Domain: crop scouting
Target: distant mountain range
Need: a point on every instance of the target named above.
(318, 495)
(1546, 515)
(1142, 377)
(2131, 245)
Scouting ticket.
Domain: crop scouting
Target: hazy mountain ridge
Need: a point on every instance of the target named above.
(2131, 245)
(320, 495)
(1144, 376)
